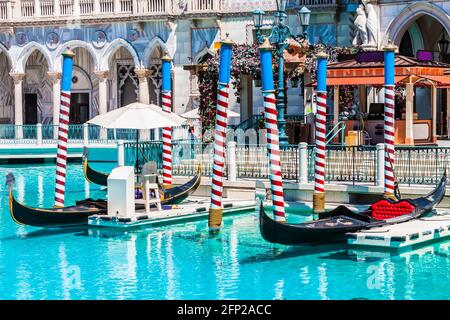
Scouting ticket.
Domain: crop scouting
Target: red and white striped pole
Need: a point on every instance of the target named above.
(389, 119)
(273, 136)
(215, 209)
(166, 93)
(321, 131)
(63, 128)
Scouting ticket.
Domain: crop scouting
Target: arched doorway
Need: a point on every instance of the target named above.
(154, 65)
(422, 34)
(6, 90)
(125, 80)
(84, 100)
(37, 90)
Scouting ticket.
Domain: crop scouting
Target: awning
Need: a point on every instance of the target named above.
(356, 81)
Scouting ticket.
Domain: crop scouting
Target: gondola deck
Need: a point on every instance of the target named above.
(188, 212)
(404, 236)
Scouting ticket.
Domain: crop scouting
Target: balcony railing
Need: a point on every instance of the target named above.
(317, 3)
(24, 10)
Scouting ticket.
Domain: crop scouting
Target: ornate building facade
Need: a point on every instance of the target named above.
(119, 43)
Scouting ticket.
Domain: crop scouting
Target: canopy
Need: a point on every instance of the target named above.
(138, 116)
(356, 81)
(193, 114)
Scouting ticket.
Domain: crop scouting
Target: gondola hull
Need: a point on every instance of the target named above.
(332, 226)
(95, 176)
(52, 217)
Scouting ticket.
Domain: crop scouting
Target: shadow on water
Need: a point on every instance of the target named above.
(78, 231)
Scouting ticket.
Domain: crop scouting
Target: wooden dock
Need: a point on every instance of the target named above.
(404, 236)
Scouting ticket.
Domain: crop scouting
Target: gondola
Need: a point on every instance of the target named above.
(173, 195)
(333, 225)
(94, 176)
(78, 215)
(52, 217)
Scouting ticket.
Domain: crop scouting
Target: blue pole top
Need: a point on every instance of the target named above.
(165, 69)
(389, 63)
(322, 60)
(226, 50)
(265, 53)
(66, 77)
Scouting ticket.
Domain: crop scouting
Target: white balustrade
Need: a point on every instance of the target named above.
(47, 7)
(106, 6)
(27, 8)
(66, 7)
(4, 10)
(201, 5)
(317, 3)
(126, 6)
(86, 6)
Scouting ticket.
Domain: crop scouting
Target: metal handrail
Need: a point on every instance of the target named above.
(339, 127)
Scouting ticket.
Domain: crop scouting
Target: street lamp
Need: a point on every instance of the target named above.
(279, 34)
(443, 43)
(304, 15)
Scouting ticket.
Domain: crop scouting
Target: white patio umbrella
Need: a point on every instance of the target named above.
(139, 116)
(193, 114)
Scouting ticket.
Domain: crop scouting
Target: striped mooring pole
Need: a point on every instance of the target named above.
(166, 93)
(273, 136)
(389, 118)
(321, 132)
(215, 209)
(63, 128)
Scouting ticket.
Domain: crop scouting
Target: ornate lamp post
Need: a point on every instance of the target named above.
(278, 37)
(443, 44)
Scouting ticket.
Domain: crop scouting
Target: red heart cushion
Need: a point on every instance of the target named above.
(383, 209)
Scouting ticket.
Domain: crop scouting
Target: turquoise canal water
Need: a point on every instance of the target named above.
(183, 262)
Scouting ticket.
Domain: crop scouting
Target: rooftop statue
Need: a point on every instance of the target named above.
(361, 28)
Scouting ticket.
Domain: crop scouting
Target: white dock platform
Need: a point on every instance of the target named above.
(185, 212)
(406, 235)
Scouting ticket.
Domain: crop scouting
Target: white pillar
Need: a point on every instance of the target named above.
(96, 6)
(85, 134)
(380, 165)
(409, 114)
(142, 74)
(37, 8)
(120, 153)
(39, 134)
(102, 97)
(76, 8)
(303, 163)
(231, 160)
(55, 77)
(56, 8)
(434, 113)
(117, 8)
(18, 100)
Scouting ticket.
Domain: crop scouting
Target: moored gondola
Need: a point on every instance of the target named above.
(52, 217)
(333, 225)
(95, 176)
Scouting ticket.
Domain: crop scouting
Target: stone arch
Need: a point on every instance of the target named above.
(5, 51)
(25, 53)
(416, 37)
(72, 44)
(202, 53)
(400, 24)
(113, 47)
(154, 43)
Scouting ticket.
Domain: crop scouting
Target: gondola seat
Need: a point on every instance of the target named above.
(384, 209)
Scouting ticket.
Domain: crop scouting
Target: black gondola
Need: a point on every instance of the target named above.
(52, 217)
(78, 215)
(173, 195)
(333, 225)
(94, 176)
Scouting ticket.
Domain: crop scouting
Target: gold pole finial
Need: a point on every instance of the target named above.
(390, 46)
(68, 53)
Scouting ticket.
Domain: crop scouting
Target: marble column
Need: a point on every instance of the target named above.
(55, 78)
(409, 114)
(18, 103)
(143, 74)
(103, 77)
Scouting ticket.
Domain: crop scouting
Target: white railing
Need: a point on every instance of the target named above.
(66, 7)
(317, 3)
(4, 10)
(86, 6)
(126, 6)
(27, 8)
(106, 6)
(202, 5)
(47, 7)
